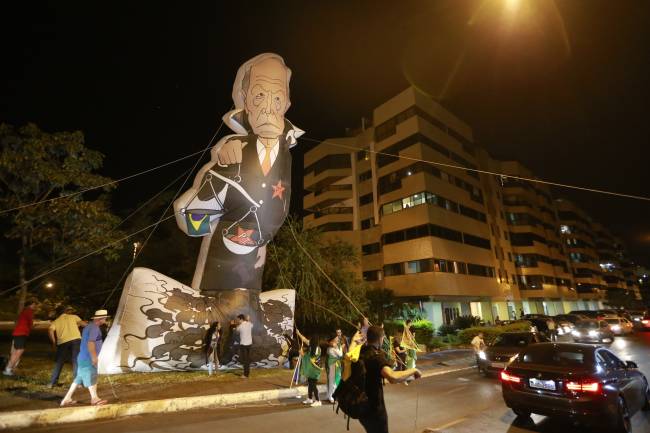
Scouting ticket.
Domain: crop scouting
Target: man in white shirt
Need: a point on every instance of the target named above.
(245, 330)
(478, 344)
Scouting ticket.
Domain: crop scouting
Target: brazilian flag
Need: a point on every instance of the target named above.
(197, 224)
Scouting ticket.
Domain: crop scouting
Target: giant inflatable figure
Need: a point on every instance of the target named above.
(237, 203)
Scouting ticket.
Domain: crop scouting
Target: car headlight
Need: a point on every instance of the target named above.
(567, 329)
(616, 328)
(560, 331)
(575, 334)
(593, 333)
(482, 355)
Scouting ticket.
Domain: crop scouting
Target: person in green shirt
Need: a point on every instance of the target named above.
(311, 369)
(333, 366)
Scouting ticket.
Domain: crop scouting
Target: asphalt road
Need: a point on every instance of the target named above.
(461, 402)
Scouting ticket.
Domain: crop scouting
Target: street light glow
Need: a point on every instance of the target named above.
(512, 5)
(49, 285)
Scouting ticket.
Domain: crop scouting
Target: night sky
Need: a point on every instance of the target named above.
(561, 86)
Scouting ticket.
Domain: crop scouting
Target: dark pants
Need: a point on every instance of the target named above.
(312, 389)
(245, 358)
(65, 352)
(377, 423)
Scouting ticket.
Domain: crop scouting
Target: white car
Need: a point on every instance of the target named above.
(619, 325)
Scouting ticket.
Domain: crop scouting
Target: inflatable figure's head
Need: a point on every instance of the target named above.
(261, 89)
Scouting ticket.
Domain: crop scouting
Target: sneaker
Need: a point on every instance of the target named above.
(8, 372)
(331, 400)
(316, 404)
(308, 401)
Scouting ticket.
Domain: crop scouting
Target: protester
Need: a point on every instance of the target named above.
(91, 346)
(312, 370)
(211, 344)
(400, 354)
(343, 343)
(410, 344)
(244, 329)
(66, 339)
(333, 366)
(478, 344)
(365, 324)
(378, 368)
(21, 331)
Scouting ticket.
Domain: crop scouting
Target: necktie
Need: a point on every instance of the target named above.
(266, 162)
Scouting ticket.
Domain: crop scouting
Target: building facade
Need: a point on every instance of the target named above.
(451, 239)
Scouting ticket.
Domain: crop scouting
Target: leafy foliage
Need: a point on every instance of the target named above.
(382, 304)
(463, 322)
(287, 266)
(37, 166)
(491, 332)
(620, 298)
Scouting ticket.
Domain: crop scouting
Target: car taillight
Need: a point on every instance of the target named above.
(583, 386)
(645, 321)
(510, 378)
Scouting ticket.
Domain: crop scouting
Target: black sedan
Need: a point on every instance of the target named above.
(495, 357)
(588, 384)
(592, 331)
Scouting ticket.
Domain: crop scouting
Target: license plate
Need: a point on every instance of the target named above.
(542, 384)
(500, 365)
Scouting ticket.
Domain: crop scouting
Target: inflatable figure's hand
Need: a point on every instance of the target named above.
(230, 153)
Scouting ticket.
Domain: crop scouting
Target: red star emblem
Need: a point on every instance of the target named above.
(243, 237)
(278, 190)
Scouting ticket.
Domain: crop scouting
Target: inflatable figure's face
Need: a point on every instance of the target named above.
(267, 98)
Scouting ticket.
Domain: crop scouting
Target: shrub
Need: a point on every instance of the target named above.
(491, 332)
(423, 330)
(393, 327)
(464, 322)
(446, 330)
(435, 343)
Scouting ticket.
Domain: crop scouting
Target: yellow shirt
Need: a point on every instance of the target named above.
(66, 327)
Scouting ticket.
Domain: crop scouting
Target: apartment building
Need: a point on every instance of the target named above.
(453, 240)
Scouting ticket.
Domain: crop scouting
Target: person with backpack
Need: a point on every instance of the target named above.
(361, 395)
(312, 370)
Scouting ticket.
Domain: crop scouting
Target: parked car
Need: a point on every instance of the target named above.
(620, 325)
(588, 384)
(564, 326)
(645, 322)
(602, 314)
(587, 313)
(573, 318)
(593, 331)
(636, 316)
(496, 356)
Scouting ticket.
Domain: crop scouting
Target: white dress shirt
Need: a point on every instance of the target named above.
(261, 151)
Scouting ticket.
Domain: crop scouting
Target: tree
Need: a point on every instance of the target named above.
(318, 303)
(37, 166)
(382, 305)
(621, 298)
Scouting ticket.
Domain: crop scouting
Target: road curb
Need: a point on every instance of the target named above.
(33, 418)
(45, 417)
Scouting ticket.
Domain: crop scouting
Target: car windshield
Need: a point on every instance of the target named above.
(513, 340)
(557, 355)
(612, 321)
(588, 324)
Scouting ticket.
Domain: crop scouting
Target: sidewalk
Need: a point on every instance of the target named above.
(223, 389)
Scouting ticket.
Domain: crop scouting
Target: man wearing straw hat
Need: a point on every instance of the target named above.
(91, 345)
